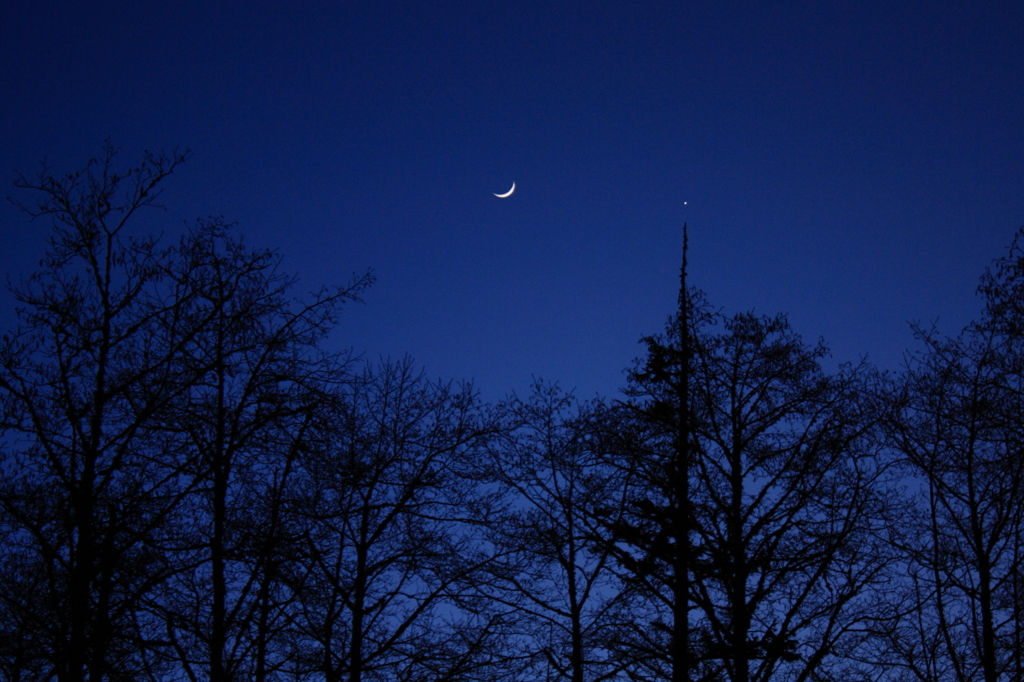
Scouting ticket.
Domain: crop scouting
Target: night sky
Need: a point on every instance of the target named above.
(855, 165)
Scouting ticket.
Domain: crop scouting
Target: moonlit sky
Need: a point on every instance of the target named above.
(855, 165)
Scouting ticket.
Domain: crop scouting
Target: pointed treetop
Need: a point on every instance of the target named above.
(682, 279)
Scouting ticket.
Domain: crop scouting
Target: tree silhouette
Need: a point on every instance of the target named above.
(790, 506)
(957, 425)
(81, 381)
(555, 562)
(257, 398)
(389, 578)
(141, 375)
(772, 508)
(192, 487)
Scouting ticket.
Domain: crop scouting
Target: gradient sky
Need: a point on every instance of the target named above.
(855, 165)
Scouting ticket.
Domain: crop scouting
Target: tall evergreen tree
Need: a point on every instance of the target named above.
(652, 443)
(756, 496)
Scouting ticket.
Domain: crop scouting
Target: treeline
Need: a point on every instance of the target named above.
(192, 488)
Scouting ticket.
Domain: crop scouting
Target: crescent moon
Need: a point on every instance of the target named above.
(508, 193)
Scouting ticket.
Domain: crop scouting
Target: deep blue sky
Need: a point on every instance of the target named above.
(855, 165)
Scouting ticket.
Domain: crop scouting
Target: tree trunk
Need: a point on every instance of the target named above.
(681, 663)
(218, 629)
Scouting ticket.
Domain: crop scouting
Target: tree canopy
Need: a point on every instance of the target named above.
(192, 487)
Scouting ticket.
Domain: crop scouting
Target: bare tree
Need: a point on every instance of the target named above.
(392, 562)
(154, 401)
(791, 505)
(958, 426)
(259, 396)
(555, 562)
(81, 379)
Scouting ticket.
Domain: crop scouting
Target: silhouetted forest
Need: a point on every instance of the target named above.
(193, 488)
